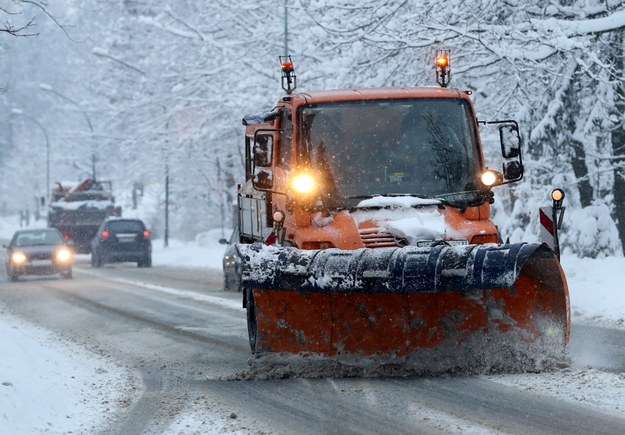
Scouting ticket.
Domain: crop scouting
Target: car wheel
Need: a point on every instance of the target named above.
(97, 262)
(226, 283)
(252, 329)
(13, 277)
(145, 261)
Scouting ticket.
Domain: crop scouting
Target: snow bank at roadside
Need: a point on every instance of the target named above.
(204, 251)
(48, 385)
(596, 290)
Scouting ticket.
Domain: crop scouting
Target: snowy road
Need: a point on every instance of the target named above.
(185, 340)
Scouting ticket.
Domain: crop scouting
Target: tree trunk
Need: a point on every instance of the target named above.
(618, 147)
(618, 135)
(581, 173)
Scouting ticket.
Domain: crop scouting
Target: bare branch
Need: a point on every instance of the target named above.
(16, 31)
(43, 7)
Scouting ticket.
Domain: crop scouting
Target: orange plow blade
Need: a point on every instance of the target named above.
(422, 304)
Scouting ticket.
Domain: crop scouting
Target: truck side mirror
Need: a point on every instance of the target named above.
(511, 150)
(263, 157)
(512, 170)
(510, 140)
(263, 150)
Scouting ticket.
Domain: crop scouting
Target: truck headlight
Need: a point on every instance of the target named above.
(491, 178)
(18, 258)
(303, 184)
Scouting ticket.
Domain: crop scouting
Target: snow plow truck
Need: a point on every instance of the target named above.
(365, 232)
(77, 210)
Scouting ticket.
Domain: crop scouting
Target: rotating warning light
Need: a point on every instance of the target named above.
(442, 61)
(303, 184)
(289, 79)
(287, 65)
(443, 75)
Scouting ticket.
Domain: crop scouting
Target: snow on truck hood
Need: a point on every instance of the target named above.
(397, 201)
(405, 217)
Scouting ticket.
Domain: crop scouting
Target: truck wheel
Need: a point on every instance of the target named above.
(13, 277)
(67, 274)
(252, 329)
(226, 283)
(237, 283)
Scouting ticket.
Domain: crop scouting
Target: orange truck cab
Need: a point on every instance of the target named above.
(366, 212)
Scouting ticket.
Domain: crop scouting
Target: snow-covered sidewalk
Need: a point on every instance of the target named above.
(48, 385)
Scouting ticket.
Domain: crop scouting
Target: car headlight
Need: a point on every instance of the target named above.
(18, 258)
(63, 255)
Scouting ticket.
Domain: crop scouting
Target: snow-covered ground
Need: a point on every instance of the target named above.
(49, 385)
(70, 390)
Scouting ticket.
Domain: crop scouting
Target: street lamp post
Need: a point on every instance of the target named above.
(19, 112)
(48, 88)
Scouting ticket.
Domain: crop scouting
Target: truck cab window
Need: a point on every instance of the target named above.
(419, 147)
(286, 138)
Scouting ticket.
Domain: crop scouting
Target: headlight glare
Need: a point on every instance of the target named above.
(303, 184)
(489, 178)
(18, 258)
(63, 255)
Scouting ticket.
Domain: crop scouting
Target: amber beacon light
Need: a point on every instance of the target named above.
(443, 73)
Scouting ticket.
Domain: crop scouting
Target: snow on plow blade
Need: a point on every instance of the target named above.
(398, 301)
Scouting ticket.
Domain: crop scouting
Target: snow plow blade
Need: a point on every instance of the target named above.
(397, 302)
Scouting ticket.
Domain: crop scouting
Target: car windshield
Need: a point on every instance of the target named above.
(125, 226)
(422, 147)
(33, 238)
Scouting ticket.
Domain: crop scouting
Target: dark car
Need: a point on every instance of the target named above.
(231, 263)
(38, 252)
(121, 240)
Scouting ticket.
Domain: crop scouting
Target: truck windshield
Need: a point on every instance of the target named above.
(422, 147)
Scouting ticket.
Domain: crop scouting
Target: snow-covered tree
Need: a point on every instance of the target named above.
(164, 87)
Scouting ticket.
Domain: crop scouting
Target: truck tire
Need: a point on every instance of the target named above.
(67, 274)
(252, 328)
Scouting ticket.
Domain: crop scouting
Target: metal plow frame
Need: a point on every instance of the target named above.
(415, 303)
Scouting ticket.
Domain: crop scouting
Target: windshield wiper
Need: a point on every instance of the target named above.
(462, 200)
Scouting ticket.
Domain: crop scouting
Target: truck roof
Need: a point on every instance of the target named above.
(384, 93)
(357, 94)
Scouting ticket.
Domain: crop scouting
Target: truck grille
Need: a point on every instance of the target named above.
(374, 238)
